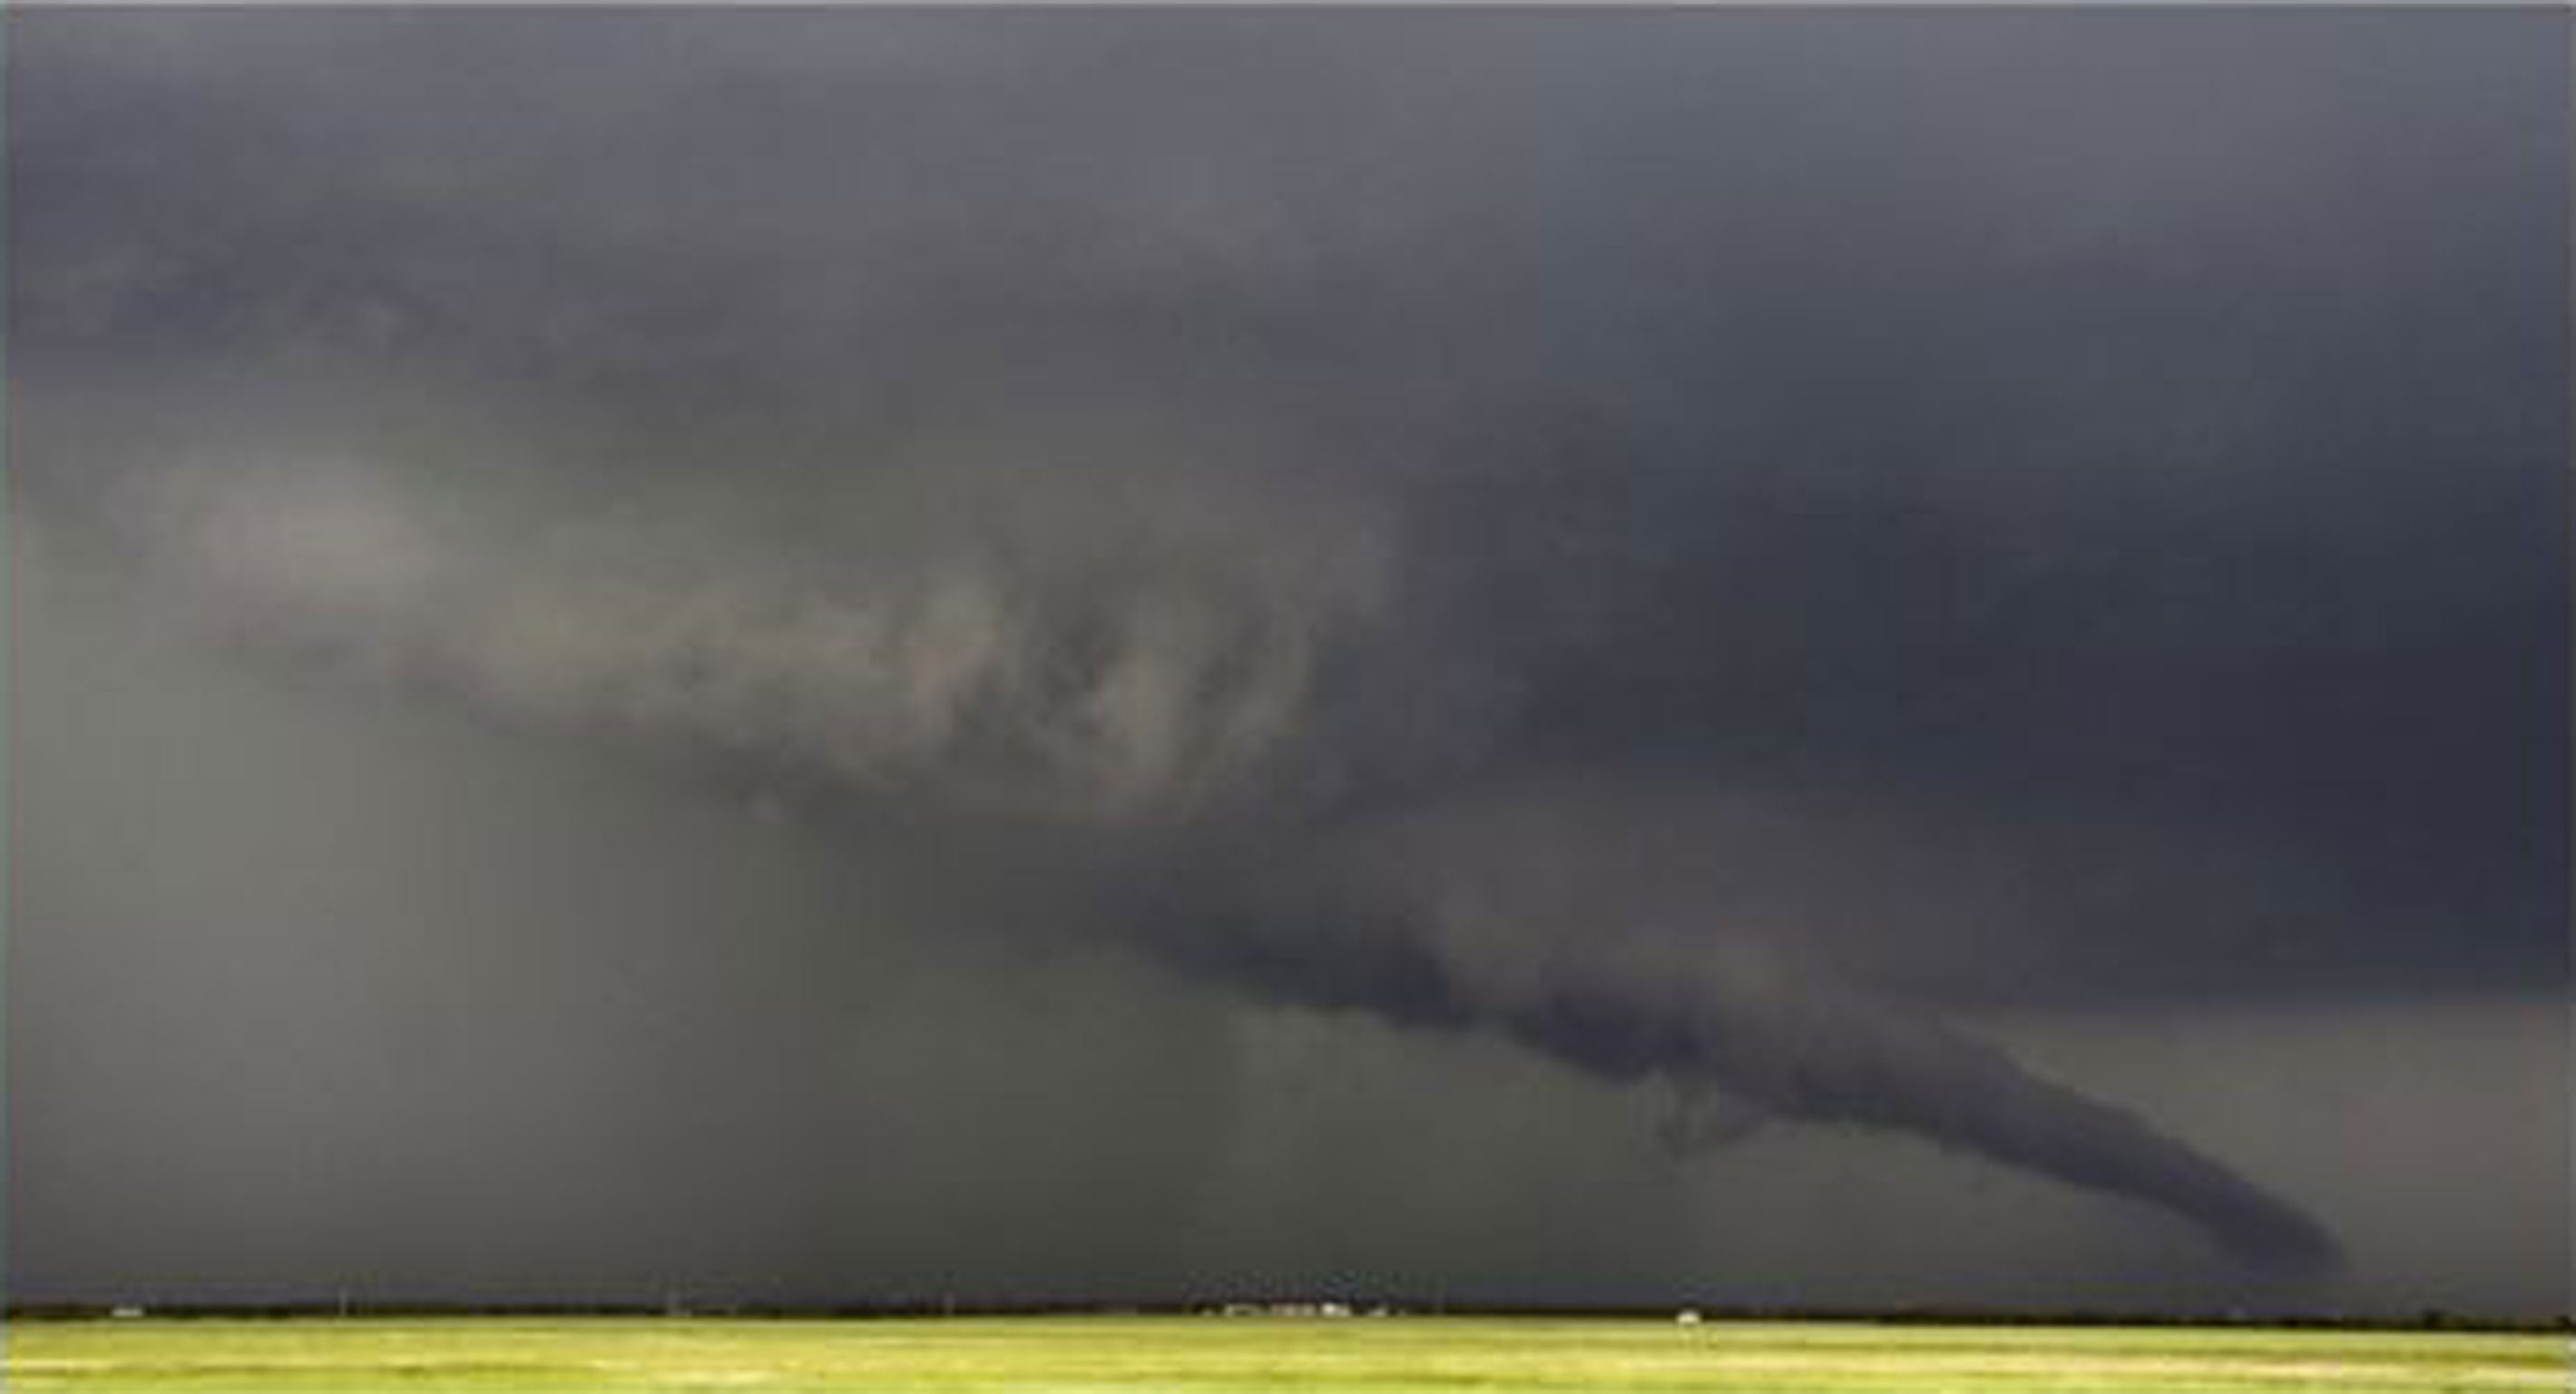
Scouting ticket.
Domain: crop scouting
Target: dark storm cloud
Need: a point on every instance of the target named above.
(1486, 520)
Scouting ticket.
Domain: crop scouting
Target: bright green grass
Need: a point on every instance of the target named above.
(1195, 1355)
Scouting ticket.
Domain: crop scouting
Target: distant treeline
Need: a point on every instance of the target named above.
(2427, 1320)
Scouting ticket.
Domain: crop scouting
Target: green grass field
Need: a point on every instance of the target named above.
(1188, 1355)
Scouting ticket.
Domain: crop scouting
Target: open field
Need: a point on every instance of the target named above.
(1188, 1355)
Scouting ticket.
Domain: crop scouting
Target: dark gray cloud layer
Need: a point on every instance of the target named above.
(1693, 544)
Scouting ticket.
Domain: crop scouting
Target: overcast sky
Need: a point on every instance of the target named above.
(1508, 656)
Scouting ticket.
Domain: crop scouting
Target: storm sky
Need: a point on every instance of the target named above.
(1494, 656)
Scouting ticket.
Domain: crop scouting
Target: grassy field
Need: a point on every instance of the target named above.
(1193, 1355)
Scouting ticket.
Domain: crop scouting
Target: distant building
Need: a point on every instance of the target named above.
(1285, 1309)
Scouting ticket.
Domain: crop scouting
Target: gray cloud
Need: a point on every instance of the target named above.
(1125, 701)
(1522, 525)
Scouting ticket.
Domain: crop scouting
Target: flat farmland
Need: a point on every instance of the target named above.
(1187, 1355)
